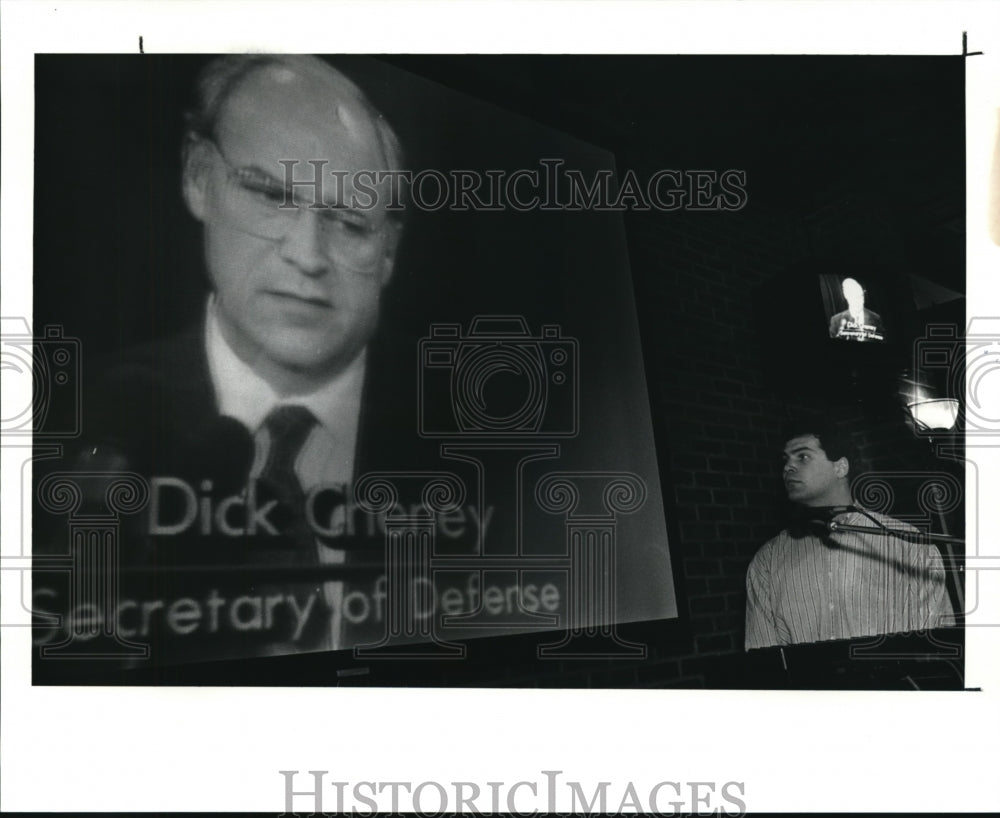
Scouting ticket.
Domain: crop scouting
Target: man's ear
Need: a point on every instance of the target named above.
(195, 175)
(842, 467)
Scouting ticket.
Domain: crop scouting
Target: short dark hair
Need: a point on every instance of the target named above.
(834, 442)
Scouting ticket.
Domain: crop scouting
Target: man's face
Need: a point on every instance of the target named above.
(288, 299)
(811, 478)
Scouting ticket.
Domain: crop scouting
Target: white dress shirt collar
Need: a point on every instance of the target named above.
(244, 395)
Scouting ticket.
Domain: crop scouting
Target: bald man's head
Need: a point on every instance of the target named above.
(314, 82)
(854, 294)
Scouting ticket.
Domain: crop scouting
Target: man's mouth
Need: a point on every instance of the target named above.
(296, 298)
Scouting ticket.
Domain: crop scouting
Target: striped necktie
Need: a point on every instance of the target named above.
(289, 428)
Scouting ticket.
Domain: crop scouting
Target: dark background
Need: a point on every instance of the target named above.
(850, 161)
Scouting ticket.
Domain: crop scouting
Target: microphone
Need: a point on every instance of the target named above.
(816, 519)
(221, 450)
(826, 514)
(826, 518)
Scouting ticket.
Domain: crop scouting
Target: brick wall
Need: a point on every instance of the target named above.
(837, 178)
(695, 275)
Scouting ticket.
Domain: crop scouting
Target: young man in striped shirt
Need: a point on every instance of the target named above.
(810, 585)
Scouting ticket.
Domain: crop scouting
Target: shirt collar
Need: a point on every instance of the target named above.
(242, 394)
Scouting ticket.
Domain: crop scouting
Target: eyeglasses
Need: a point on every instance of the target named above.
(261, 205)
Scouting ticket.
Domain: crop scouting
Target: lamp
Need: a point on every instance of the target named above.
(934, 414)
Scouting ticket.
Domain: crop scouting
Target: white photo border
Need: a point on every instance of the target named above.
(220, 749)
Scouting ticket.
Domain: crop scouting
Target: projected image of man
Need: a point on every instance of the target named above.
(241, 416)
(856, 323)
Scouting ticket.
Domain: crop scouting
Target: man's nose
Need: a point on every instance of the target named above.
(303, 244)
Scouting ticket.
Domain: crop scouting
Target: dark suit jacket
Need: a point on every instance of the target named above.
(153, 411)
(157, 405)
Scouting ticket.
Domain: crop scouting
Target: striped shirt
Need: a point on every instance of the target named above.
(845, 585)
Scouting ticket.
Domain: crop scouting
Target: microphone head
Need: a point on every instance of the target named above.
(815, 519)
(226, 453)
(220, 449)
(830, 512)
